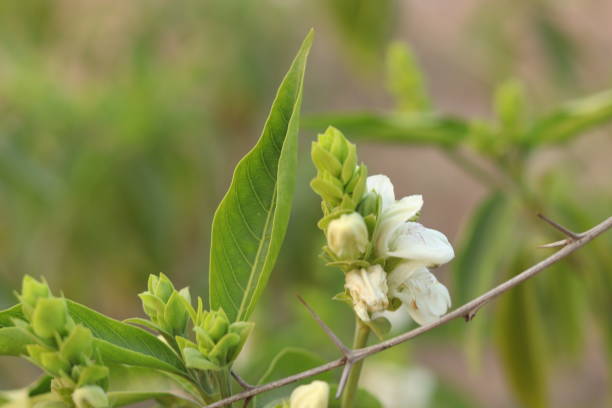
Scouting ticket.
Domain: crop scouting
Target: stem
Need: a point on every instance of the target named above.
(360, 340)
(224, 383)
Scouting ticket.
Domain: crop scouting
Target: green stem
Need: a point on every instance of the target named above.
(362, 331)
(224, 382)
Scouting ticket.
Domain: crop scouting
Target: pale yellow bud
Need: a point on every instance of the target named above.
(347, 236)
(313, 395)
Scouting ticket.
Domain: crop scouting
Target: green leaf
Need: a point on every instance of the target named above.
(489, 244)
(405, 80)
(398, 127)
(519, 338)
(128, 385)
(7, 315)
(250, 224)
(121, 343)
(13, 341)
(572, 119)
(289, 361)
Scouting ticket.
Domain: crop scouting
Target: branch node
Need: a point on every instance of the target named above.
(343, 349)
(572, 236)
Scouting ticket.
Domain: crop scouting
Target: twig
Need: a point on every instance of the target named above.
(462, 311)
(335, 339)
(241, 381)
(571, 234)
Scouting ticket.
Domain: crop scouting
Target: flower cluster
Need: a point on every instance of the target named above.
(62, 348)
(374, 238)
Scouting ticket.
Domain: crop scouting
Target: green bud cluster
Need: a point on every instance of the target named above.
(217, 341)
(166, 307)
(340, 181)
(63, 349)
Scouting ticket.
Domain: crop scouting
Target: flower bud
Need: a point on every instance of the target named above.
(90, 396)
(49, 316)
(347, 236)
(77, 347)
(313, 395)
(165, 306)
(368, 289)
(31, 291)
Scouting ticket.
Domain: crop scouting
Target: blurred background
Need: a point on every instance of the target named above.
(121, 122)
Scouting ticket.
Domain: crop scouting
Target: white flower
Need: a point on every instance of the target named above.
(418, 248)
(347, 236)
(426, 298)
(313, 395)
(368, 289)
(393, 213)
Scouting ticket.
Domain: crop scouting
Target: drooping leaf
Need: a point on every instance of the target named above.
(572, 119)
(128, 385)
(398, 128)
(405, 80)
(289, 361)
(518, 334)
(489, 245)
(7, 315)
(123, 343)
(250, 223)
(13, 341)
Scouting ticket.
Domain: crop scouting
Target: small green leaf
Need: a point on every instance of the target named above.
(128, 385)
(122, 343)
(510, 108)
(398, 127)
(250, 223)
(405, 80)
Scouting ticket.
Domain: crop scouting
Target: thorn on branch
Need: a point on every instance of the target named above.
(570, 234)
(469, 316)
(555, 244)
(343, 378)
(343, 349)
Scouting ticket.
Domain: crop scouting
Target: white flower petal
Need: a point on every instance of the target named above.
(413, 241)
(381, 185)
(313, 395)
(426, 298)
(394, 218)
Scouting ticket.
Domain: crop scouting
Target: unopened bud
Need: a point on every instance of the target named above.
(90, 396)
(313, 395)
(347, 236)
(31, 291)
(50, 316)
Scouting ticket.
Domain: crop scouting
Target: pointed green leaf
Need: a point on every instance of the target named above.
(250, 224)
(122, 343)
(128, 385)
(7, 315)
